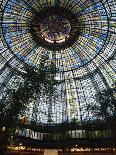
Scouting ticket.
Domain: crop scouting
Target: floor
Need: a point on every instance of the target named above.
(66, 153)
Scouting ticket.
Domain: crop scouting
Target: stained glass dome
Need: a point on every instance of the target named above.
(79, 36)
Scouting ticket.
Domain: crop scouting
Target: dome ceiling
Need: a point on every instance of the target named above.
(78, 35)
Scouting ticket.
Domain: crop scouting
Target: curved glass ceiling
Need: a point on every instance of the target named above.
(84, 54)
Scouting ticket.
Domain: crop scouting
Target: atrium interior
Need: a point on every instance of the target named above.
(58, 77)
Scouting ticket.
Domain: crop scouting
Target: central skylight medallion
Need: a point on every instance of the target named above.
(55, 29)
